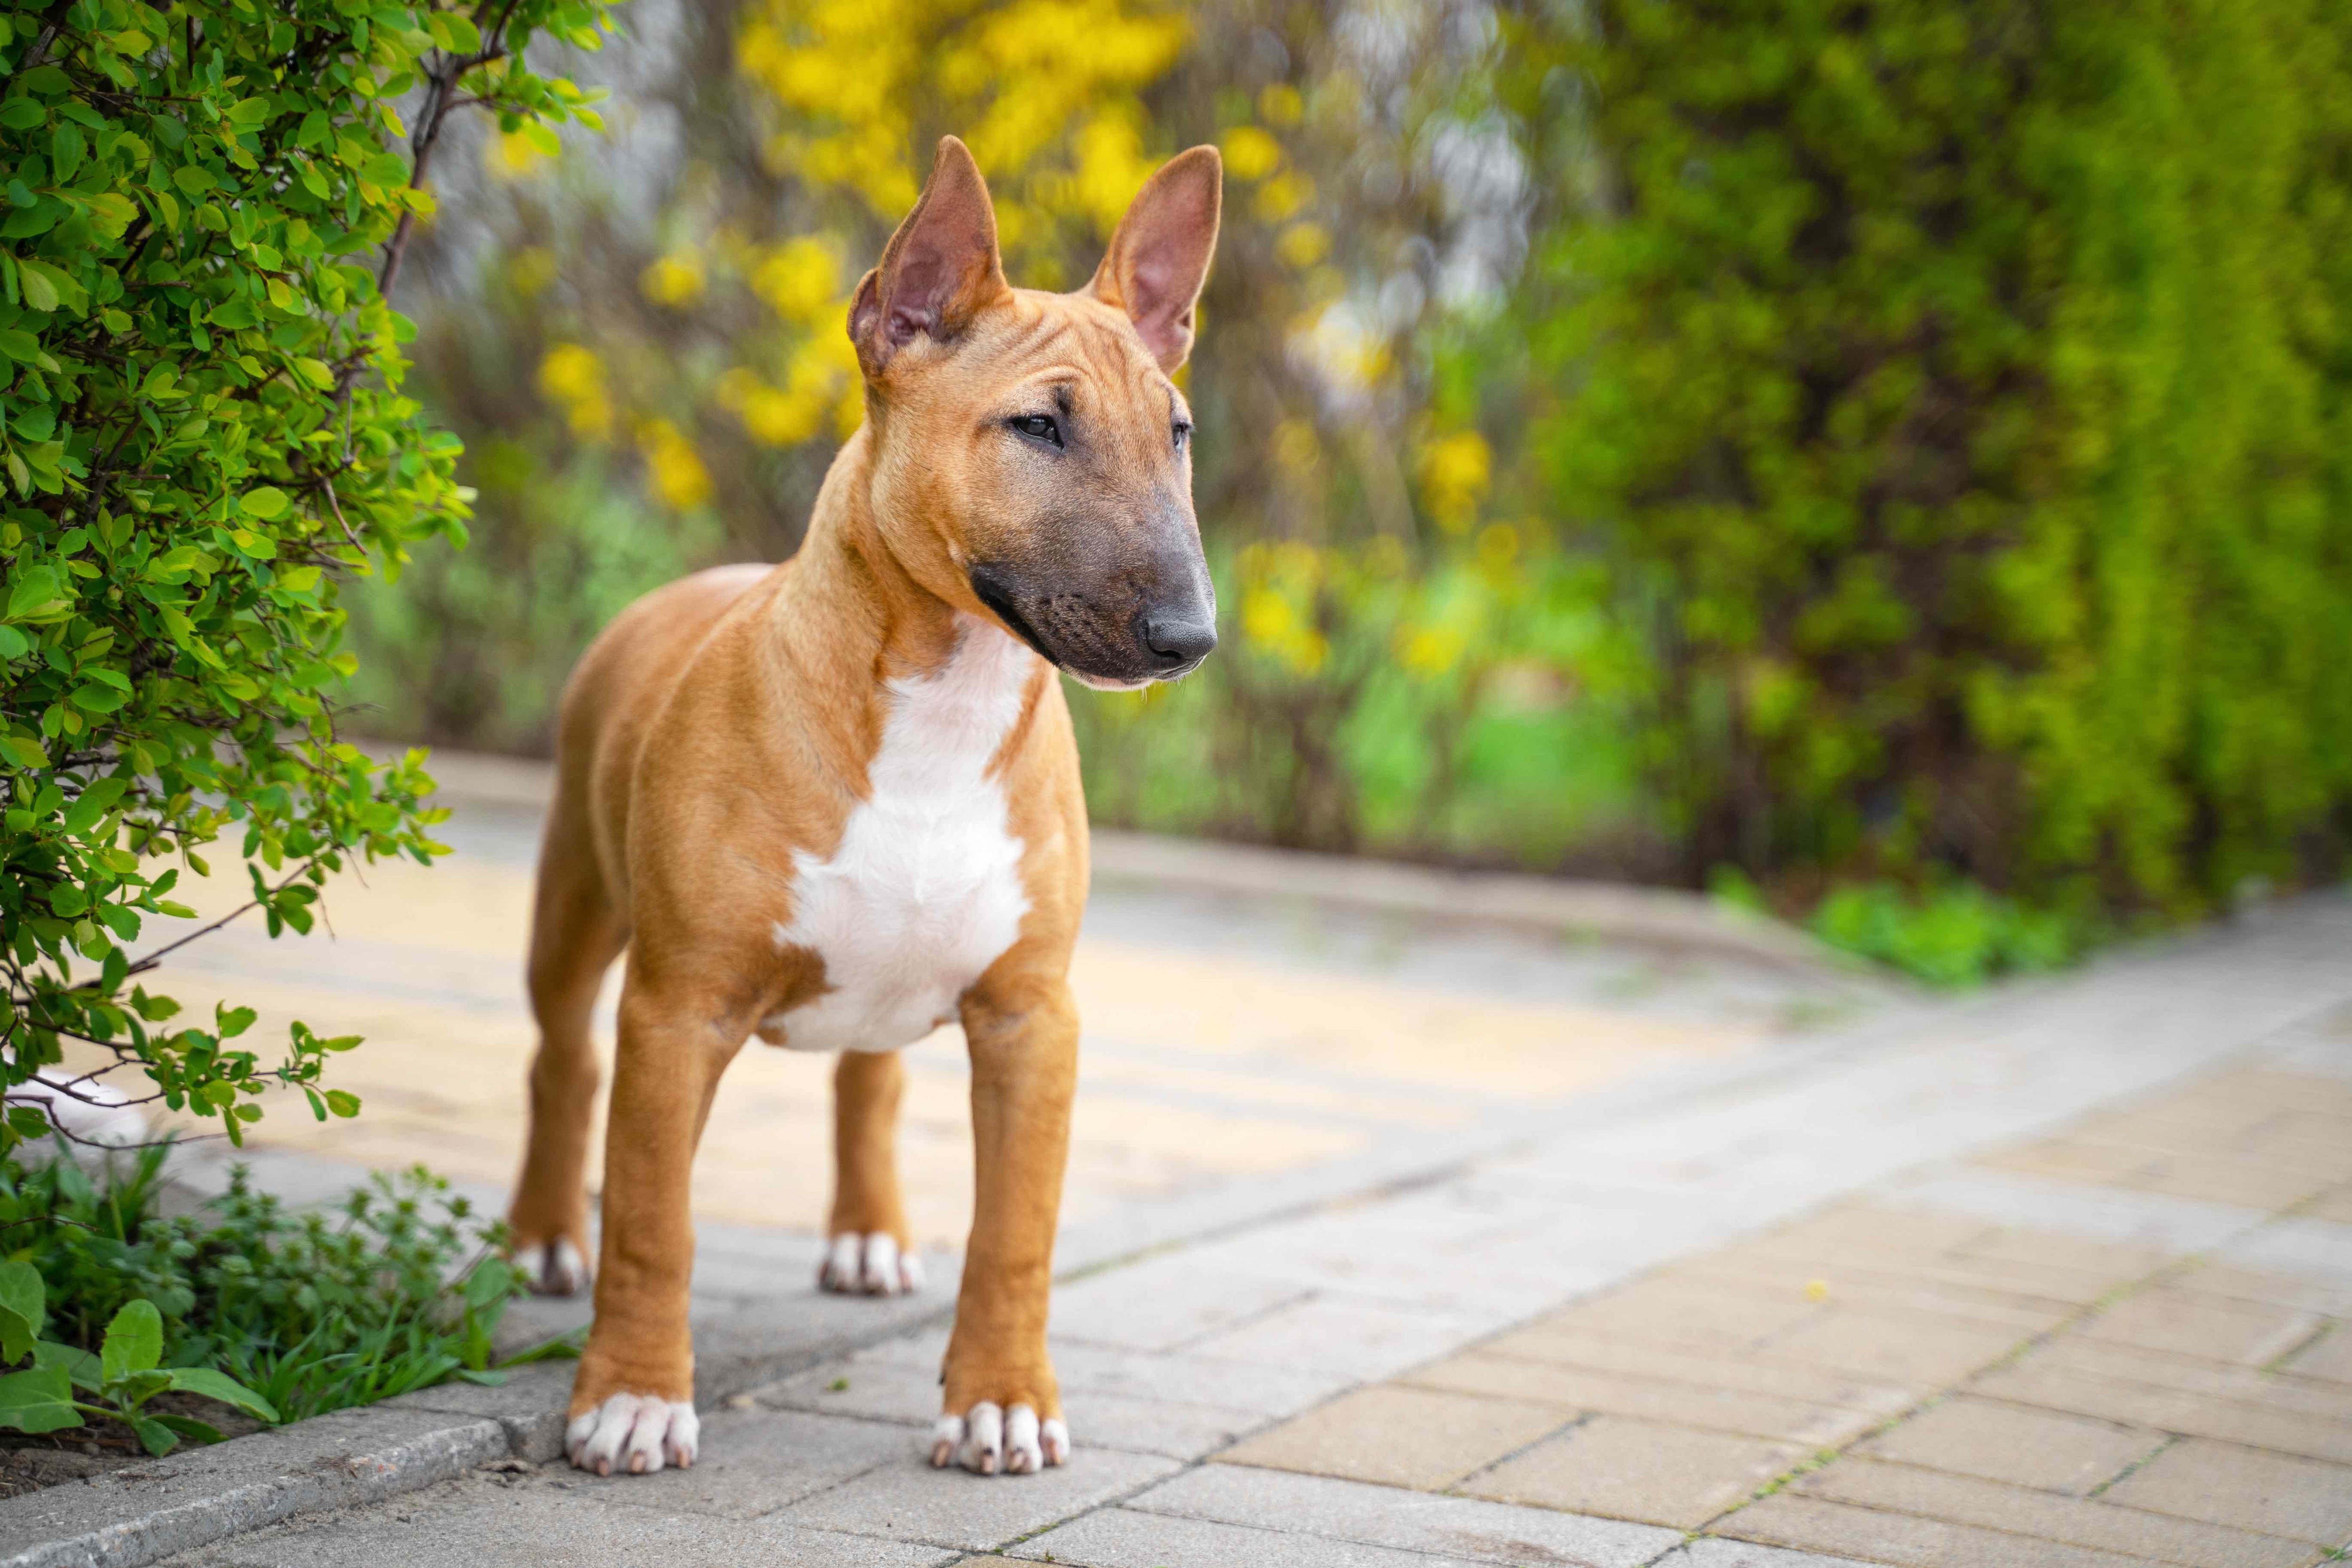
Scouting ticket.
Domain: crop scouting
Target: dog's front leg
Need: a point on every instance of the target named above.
(632, 1399)
(1003, 1407)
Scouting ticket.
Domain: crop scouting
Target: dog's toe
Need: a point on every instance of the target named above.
(870, 1265)
(989, 1439)
(635, 1432)
(556, 1268)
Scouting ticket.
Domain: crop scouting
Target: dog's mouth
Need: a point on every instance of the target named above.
(1108, 650)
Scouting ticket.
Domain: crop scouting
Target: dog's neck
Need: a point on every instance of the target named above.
(855, 615)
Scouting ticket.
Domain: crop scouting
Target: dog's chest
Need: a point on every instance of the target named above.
(924, 890)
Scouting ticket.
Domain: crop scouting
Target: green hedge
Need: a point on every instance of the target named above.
(1958, 391)
(204, 433)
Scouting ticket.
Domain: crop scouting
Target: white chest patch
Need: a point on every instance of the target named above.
(924, 890)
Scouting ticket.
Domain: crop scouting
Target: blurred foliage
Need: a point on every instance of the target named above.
(1958, 394)
(205, 432)
(1896, 445)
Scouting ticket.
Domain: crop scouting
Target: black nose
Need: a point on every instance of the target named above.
(1175, 643)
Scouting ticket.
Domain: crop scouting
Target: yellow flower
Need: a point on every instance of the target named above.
(798, 280)
(1303, 245)
(519, 154)
(1280, 104)
(674, 280)
(1455, 471)
(572, 375)
(1430, 650)
(1282, 196)
(1250, 153)
(679, 476)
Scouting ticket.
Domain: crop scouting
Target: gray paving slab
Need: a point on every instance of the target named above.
(1118, 1537)
(200, 1495)
(912, 1502)
(1409, 1521)
(754, 1463)
(530, 1405)
(1713, 1552)
(475, 1522)
(2181, 1225)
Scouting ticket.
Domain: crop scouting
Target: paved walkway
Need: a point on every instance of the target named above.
(2057, 1278)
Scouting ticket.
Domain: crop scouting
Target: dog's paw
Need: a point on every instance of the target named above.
(871, 1265)
(556, 1268)
(987, 1439)
(638, 1433)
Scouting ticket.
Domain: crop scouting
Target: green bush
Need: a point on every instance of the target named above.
(204, 433)
(398, 1288)
(1958, 393)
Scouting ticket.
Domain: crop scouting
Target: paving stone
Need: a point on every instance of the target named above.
(2135, 1223)
(537, 1527)
(1714, 1552)
(1642, 1470)
(1118, 1537)
(2224, 1484)
(1163, 1303)
(1817, 1281)
(1879, 1230)
(2217, 1179)
(2189, 1415)
(2003, 1443)
(757, 1462)
(2072, 1159)
(1411, 1520)
(2303, 1245)
(2331, 1296)
(1669, 1313)
(1399, 1436)
(2286, 1391)
(912, 1502)
(1354, 1339)
(1888, 1343)
(1963, 1499)
(1812, 1524)
(2189, 1322)
(1683, 1404)
(2328, 1357)
(1807, 1384)
(1180, 1378)
(883, 1391)
(2334, 1207)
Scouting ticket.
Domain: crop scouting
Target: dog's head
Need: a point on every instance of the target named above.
(1032, 459)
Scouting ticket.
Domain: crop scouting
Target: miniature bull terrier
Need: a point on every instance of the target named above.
(835, 804)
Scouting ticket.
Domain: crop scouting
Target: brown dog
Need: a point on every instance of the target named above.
(835, 804)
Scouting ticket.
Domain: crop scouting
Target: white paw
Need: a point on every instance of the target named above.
(872, 1265)
(987, 1439)
(554, 1268)
(638, 1433)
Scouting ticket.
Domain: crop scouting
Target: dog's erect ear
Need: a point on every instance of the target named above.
(938, 269)
(1160, 257)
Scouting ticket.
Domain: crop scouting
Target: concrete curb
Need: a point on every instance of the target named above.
(1655, 917)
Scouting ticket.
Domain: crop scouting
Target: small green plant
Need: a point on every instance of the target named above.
(1954, 934)
(119, 1381)
(397, 1288)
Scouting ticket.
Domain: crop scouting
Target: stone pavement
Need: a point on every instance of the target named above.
(2059, 1278)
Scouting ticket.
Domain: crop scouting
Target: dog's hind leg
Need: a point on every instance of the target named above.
(575, 933)
(871, 1252)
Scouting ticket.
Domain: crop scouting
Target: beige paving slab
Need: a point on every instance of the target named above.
(1967, 1437)
(1647, 1471)
(2328, 1356)
(1401, 1437)
(2213, 1327)
(1806, 1384)
(2223, 1484)
(2243, 1386)
(2167, 1410)
(2075, 1521)
(1681, 1403)
(1887, 1343)
(1815, 1525)
(1669, 1311)
(1123, 1538)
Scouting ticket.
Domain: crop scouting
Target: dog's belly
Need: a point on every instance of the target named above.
(924, 892)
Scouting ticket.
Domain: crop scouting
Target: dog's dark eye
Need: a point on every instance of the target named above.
(1039, 427)
(1184, 433)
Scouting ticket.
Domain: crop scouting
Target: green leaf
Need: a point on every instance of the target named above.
(190, 1427)
(134, 1341)
(154, 1436)
(491, 1280)
(21, 114)
(343, 1103)
(40, 289)
(22, 751)
(83, 1369)
(220, 1386)
(39, 1399)
(21, 1309)
(95, 698)
(265, 502)
(387, 169)
(15, 644)
(34, 594)
(93, 804)
(61, 287)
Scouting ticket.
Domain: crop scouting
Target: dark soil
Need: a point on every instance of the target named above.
(28, 1463)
